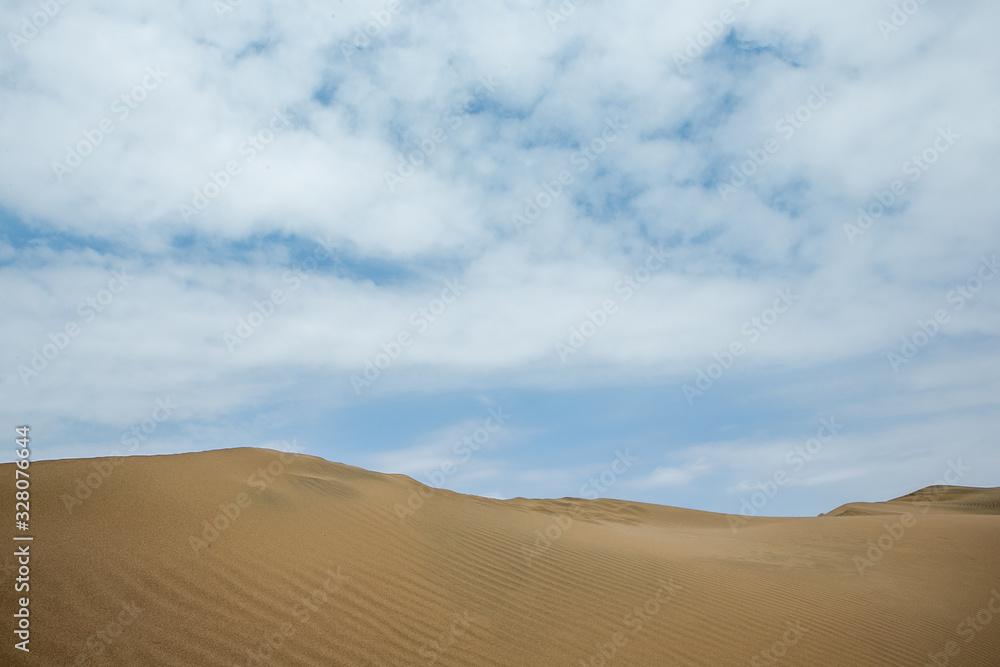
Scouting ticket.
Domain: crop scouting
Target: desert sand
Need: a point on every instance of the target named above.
(256, 557)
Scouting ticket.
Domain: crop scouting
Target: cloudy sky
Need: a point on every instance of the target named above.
(499, 246)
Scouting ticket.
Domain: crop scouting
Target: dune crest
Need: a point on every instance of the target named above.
(932, 499)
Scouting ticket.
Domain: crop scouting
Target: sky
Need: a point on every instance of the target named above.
(737, 256)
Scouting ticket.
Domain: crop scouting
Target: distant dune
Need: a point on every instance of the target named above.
(255, 557)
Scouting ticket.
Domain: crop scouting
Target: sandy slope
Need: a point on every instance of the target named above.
(323, 566)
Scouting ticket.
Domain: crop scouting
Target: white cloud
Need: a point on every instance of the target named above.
(664, 476)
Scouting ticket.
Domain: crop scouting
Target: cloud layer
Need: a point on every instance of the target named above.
(364, 207)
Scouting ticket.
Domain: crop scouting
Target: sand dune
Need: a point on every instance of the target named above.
(933, 499)
(254, 557)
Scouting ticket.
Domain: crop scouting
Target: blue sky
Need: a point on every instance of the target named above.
(691, 233)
